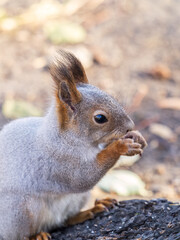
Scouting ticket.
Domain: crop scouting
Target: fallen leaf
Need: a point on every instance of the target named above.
(161, 71)
(141, 93)
(170, 103)
(123, 183)
(8, 24)
(41, 11)
(64, 32)
(160, 169)
(163, 131)
(127, 160)
(17, 109)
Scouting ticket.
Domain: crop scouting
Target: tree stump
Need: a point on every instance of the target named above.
(132, 219)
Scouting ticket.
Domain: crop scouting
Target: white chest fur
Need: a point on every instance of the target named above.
(55, 210)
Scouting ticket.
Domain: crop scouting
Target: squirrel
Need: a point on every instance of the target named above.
(48, 164)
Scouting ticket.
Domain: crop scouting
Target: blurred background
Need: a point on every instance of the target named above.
(130, 49)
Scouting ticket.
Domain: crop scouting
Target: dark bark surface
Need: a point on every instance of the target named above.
(132, 219)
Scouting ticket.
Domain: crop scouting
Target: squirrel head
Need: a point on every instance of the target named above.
(84, 108)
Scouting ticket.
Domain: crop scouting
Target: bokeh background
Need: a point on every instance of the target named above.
(130, 49)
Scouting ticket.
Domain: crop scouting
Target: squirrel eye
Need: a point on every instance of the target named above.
(100, 118)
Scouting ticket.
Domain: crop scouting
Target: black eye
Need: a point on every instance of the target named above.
(100, 118)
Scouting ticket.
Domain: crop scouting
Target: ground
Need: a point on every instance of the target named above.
(132, 51)
(133, 219)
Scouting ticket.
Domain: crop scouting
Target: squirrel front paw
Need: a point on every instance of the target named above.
(128, 147)
(124, 146)
(137, 137)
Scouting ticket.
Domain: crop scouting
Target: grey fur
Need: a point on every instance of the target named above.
(46, 173)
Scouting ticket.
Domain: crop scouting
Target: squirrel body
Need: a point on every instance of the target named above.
(49, 164)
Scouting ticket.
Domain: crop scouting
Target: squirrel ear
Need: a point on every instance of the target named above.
(66, 71)
(65, 95)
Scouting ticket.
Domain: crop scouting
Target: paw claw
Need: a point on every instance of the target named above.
(41, 236)
(107, 202)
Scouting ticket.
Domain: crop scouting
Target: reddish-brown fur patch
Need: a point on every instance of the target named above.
(111, 154)
(41, 236)
(75, 94)
(100, 206)
(62, 113)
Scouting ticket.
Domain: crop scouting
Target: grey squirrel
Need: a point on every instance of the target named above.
(48, 164)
